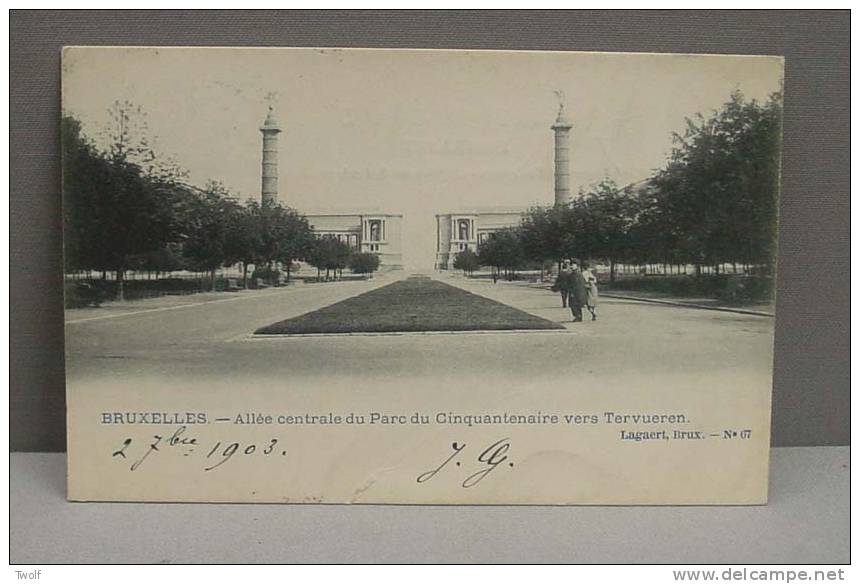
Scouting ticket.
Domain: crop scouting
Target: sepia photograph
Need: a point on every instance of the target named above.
(419, 276)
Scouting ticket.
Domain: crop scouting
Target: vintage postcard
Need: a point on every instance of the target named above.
(419, 276)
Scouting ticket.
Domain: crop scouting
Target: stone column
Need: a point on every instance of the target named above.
(562, 128)
(270, 130)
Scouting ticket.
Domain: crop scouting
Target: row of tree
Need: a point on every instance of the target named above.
(127, 209)
(714, 203)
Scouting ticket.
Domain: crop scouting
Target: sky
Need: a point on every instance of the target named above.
(417, 132)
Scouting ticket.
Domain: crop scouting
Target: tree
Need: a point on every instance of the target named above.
(245, 236)
(545, 234)
(211, 219)
(502, 251)
(85, 174)
(285, 236)
(720, 184)
(294, 238)
(329, 253)
(167, 259)
(602, 219)
(363, 263)
(122, 201)
(127, 138)
(466, 260)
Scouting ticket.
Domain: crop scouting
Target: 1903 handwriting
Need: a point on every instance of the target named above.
(188, 445)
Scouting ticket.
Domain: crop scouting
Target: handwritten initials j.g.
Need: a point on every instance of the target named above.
(491, 457)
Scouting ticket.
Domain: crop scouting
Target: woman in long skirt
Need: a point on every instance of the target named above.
(590, 289)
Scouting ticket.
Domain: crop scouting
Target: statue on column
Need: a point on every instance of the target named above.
(559, 94)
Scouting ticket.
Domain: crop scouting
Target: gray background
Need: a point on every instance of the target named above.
(812, 373)
(807, 520)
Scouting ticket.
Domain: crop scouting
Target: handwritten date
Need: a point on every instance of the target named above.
(219, 454)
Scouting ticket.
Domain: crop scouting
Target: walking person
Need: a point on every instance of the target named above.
(590, 289)
(578, 294)
(562, 283)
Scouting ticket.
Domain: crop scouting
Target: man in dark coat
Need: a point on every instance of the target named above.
(578, 292)
(562, 283)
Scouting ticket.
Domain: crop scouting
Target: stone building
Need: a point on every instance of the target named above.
(458, 231)
(377, 233)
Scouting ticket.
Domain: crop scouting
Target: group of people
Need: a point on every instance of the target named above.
(578, 288)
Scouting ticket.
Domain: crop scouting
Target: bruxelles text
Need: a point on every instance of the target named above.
(387, 418)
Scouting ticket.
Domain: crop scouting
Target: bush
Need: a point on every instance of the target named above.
(266, 274)
(363, 263)
(466, 260)
(745, 290)
(84, 294)
(729, 288)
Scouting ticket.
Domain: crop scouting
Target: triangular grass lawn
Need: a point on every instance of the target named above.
(412, 305)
